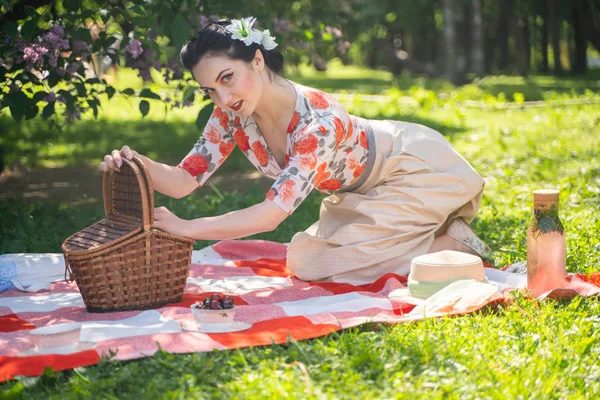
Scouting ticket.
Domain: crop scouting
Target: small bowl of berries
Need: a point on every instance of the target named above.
(214, 312)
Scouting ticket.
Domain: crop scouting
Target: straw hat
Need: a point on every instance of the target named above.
(430, 273)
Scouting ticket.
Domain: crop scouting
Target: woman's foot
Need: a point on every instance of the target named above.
(461, 231)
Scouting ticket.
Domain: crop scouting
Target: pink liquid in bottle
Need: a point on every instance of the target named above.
(546, 245)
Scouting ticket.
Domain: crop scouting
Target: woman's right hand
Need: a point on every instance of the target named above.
(114, 160)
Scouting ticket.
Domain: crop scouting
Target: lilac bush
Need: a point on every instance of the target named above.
(53, 63)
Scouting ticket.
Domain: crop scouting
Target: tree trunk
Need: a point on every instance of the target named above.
(502, 35)
(520, 33)
(590, 21)
(580, 54)
(544, 64)
(477, 37)
(449, 40)
(554, 25)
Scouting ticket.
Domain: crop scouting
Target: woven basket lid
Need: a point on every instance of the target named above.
(446, 266)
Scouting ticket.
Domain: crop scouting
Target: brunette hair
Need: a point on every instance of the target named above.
(215, 40)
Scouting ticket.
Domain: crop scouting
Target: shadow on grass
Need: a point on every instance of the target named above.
(35, 143)
(536, 87)
(86, 142)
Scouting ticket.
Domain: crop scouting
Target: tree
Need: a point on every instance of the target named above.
(554, 28)
(589, 20)
(477, 54)
(580, 54)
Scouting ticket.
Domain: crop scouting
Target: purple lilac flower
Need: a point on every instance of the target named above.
(81, 48)
(281, 25)
(73, 67)
(33, 55)
(50, 97)
(134, 48)
(54, 38)
(71, 116)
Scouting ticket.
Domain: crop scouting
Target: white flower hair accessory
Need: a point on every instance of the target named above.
(241, 29)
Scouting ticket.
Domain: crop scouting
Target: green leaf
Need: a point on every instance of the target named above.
(309, 35)
(179, 30)
(93, 103)
(189, 94)
(53, 79)
(110, 91)
(149, 94)
(81, 91)
(128, 92)
(48, 111)
(144, 107)
(17, 104)
(10, 28)
(28, 28)
(31, 111)
(82, 35)
(6, 4)
(39, 96)
(204, 115)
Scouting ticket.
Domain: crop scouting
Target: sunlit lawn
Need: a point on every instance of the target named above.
(528, 350)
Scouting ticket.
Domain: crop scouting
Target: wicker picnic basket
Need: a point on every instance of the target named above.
(119, 263)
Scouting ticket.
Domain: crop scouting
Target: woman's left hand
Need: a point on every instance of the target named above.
(166, 221)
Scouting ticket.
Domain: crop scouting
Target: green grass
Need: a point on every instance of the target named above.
(544, 350)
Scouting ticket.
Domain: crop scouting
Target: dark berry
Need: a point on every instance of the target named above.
(216, 306)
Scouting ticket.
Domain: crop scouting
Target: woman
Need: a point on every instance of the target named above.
(398, 190)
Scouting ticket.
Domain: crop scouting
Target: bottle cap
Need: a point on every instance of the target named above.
(545, 199)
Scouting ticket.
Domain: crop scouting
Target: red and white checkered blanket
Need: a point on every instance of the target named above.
(277, 304)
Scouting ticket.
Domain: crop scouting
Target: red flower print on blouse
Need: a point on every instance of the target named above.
(212, 135)
(236, 122)
(287, 190)
(350, 130)
(321, 175)
(195, 164)
(309, 161)
(331, 184)
(339, 130)
(241, 139)
(307, 145)
(271, 194)
(287, 160)
(224, 120)
(217, 113)
(352, 163)
(225, 148)
(364, 141)
(261, 153)
(358, 171)
(317, 99)
(322, 129)
(294, 122)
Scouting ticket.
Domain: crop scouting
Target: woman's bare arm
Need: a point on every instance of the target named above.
(171, 181)
(261, 217)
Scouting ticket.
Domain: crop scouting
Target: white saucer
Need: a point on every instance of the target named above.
(235, 326)
(69, 349)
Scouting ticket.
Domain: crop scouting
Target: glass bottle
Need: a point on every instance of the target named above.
(546, 244)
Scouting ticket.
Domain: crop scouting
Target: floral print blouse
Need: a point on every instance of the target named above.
(327, 148)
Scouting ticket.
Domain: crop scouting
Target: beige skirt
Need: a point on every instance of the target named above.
(417, 184)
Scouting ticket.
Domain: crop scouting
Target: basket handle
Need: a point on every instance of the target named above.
(147, 197)
(149, 189)
(68, 269)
